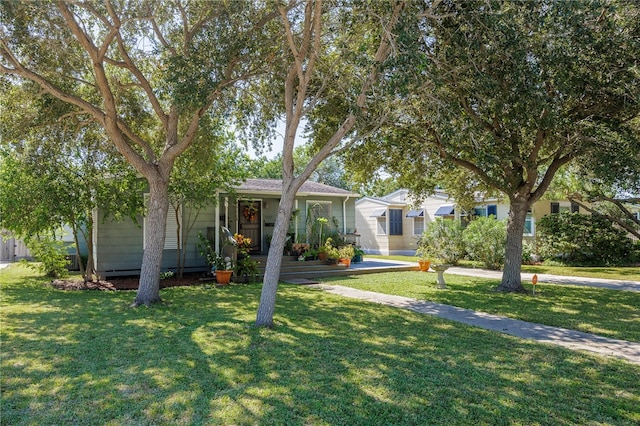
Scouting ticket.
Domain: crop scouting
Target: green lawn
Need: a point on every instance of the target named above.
(630, 273)
(610, 313)
(85, 357)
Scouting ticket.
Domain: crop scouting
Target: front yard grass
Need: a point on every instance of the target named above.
(85, 357)
(610, 313)
(628, 273)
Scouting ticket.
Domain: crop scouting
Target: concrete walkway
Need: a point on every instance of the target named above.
(571, 339)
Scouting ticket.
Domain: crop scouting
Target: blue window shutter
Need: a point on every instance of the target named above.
(395, 221)
(492, 210)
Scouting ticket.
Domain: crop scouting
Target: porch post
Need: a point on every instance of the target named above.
(216, 221)
(226, 212)
(297, 218)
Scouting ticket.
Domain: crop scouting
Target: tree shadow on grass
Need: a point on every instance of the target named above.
(87, 358)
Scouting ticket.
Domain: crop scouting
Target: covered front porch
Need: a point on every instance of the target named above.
(251, 210)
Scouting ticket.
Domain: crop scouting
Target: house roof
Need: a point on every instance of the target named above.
(274, 187)
(381, 201)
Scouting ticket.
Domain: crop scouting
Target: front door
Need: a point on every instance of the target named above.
(249, 220)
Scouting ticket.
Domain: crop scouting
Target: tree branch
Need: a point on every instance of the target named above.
(551, 171)
(633, 231)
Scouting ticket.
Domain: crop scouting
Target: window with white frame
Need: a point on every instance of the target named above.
(380, 216)
(418, 221)
(418, 226)
(381, 228)
(318, 209)
(486, 211)
(529, 225)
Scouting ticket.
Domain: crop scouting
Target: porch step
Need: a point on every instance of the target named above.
(292, 268)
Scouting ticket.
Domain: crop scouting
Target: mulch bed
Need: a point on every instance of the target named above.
(124, 283)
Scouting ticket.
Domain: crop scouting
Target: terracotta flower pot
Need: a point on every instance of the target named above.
(424, 265)
(223, 277)
(346, 262)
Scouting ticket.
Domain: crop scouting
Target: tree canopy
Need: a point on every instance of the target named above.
(146, 72)
(509, 92)
(56, 171)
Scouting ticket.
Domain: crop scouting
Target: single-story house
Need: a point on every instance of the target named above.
(393, 224)
(250, 210)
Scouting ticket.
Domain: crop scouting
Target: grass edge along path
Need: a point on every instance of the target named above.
(623, 349)
(85, 357)
(622, 273)
(609, 313)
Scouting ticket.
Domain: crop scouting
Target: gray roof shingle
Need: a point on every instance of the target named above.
(274, 186)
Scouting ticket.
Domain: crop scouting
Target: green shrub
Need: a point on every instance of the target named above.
(51, 255)
(485, 239)
(583, 240)
(442, 241)
(528, 250)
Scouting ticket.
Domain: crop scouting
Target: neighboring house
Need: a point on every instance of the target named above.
(393, 224)
(12, 249)
(251, 210)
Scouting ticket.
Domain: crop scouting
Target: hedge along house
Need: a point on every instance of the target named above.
(251, 210)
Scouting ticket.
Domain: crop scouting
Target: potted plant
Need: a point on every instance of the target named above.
(328, 252)
(345, 253)
(298, 250)
(322, 253)
(246, 270)
(423, 258)
(220, 267)
(311, 254)
(223, 270)
(358, 255)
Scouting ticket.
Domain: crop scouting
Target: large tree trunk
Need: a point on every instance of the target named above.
(264, 317)
(511, 278)
(149, 285)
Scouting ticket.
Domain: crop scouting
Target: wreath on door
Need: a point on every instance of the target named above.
(250, 212)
